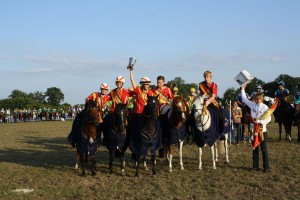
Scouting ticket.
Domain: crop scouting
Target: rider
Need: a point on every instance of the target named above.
(296, 102)
(119, 94)
(141, 93)
(188, 126)
(191, 97)
(164, 94)
(210, 89)
(281, 93)
(175, 91)
(258, 88)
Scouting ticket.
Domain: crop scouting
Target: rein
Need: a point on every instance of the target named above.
(201, 118)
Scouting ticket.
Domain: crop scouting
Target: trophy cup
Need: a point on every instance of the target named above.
(131, 63)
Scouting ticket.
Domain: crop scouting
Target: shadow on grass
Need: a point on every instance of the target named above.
(47, 153)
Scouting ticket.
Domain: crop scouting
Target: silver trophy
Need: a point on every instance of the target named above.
(131, 63)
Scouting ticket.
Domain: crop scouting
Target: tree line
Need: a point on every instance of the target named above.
(54, 97)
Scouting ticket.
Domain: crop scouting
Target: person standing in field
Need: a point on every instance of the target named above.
(258, 108)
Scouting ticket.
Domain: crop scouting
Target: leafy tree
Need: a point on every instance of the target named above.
(18, 94)
(230, 94)
(38, 96)
(54, 96)
(183, 88)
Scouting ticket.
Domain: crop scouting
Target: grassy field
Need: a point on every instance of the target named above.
(36, 156)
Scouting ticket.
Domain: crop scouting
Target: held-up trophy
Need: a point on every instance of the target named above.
(131, 63)
(243, 78)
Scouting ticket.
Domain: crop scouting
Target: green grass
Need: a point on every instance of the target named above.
(37, 156)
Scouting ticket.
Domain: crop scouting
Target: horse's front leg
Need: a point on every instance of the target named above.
(280, 130)
(145, 163)
(93, 162)
(83, 161)
(153, 164)
(216, 151)
(137, 160)
(288, 131)
(170, 156)
(298, 127)
(122, 160)
(200, 157)
(111, 160)
(213, 156)
(77, 161)
(180, 146)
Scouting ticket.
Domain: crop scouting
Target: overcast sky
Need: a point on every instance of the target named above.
(77, 45)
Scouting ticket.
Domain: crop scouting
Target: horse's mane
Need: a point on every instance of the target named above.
(151, 108)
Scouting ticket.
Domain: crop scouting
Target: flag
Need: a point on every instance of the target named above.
(257, 135)
(257, 132)
(269, 112)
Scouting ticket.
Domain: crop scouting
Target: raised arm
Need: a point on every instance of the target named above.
(132, 80)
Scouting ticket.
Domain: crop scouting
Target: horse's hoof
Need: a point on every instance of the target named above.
(181, 168)
(200, 168)
(226, 162)
(170, 170)
(214, 167)
(136, 175)
(146, 168)
(122, 172)
(154, 173)
(83, 175)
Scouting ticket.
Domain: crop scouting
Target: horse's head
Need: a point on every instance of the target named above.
(202, 117)
(151, 108)
(120, 118)
(179, 108)
(93, 112)
(198, 103)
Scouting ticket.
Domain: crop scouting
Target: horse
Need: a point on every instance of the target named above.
(207, 127)
(284, 114)
(44, 115)
(145, 134)
(16, 116)
(173, 125)
(245, 121)
(297, 119)
(87, 139)
(3, 117)
(27, 116)
(114, 130)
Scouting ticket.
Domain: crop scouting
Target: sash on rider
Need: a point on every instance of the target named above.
(163, 101)
(206, 90)
(115, 97)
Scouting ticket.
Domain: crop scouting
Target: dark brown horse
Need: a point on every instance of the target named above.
(284, 115)
(86, 139)
(297, 116)
(245, 121)
(114, 130)
(145, 134)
